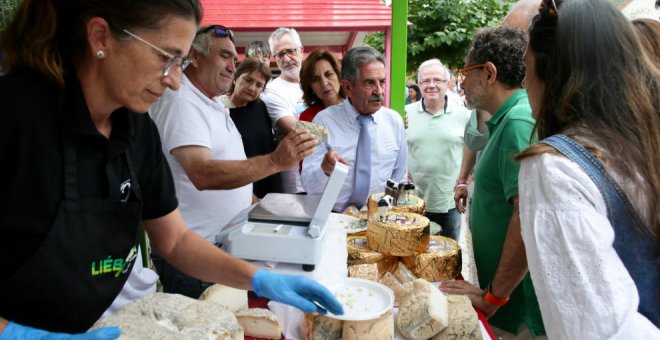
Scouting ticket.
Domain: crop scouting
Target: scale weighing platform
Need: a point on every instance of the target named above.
(284, 227)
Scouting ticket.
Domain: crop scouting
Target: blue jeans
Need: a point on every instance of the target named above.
(449, 221)
(176, 282)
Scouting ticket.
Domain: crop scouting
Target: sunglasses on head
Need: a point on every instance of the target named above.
(548, 7)
(219, 31)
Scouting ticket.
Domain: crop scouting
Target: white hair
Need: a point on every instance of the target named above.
(279, 33)
(433, 62)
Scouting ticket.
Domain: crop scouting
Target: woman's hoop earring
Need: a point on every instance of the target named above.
(100, 54)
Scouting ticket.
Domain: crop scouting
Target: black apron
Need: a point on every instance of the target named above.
(83, 262)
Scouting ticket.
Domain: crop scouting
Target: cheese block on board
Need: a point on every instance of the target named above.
(367, 271)
(359, 253)
(423, 310)
(412, 204)
(232, 298)
(398, 234)
(463, 320)
(318, 327)
(259, 323)
(381, 328)
(441, 261)
(319, 131)
(173, 316)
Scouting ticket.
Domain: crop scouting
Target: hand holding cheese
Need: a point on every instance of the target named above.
(297, 291)
(16, 331)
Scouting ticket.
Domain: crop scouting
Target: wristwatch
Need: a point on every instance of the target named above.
(492, 299)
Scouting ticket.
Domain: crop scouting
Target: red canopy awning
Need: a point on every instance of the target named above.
(337, 24)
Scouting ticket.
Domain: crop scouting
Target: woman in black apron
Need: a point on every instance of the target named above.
(82, 165)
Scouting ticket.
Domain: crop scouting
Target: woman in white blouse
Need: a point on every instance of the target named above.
(589, 191)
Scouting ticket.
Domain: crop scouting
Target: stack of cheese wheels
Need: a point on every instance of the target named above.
(398, 233)
(411, 204)
(441, 260)
(363, 262)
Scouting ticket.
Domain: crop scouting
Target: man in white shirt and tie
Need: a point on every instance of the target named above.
(365, 135)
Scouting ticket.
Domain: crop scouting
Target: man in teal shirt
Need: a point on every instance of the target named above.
(435, 145)
(493, 74)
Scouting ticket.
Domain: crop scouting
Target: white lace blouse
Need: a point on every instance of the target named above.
(583, 289)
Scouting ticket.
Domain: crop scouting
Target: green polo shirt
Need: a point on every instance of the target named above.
(495, 184)
(435, 151)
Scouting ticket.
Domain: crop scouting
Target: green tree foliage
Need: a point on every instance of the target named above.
(444, 28)
(7, 9)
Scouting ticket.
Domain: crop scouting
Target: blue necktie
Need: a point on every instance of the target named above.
(362, 163)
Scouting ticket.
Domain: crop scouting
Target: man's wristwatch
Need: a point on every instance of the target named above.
(492, 299)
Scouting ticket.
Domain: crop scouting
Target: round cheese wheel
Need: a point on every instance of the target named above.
(398, 234)
(441, 260)
(359, 253)
(412, 204)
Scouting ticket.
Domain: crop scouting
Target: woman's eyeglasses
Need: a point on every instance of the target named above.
(219, 31)
(181, 62)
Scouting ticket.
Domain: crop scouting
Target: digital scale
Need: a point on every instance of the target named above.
(284, 227)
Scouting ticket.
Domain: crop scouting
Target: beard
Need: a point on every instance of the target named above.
(474, 98)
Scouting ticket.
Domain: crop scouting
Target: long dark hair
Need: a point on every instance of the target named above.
(597, 79)
(45, 35)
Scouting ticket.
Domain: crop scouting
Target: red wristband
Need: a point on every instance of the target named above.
(494, 300)
(461, 181)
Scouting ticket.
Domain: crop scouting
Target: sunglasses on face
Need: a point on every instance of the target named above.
(219, 31)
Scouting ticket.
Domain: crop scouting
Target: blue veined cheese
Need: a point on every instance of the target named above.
(172, 316)
(463, 320)
(319, 327)
(423, 310)
(378, 329)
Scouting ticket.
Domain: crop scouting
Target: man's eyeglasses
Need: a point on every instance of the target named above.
(464, 72)
(548, 7)
(291, 52)
(181, 62)
(438, 81)
(219, 31)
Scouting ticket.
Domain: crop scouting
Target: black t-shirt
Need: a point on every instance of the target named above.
(253, 123)
(36, 115)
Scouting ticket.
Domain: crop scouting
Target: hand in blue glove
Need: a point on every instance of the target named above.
(297, 291)
(14, 331)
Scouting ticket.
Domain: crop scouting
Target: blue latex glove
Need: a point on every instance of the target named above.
(14, 331)
(297, 291)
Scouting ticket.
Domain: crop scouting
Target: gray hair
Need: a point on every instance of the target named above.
(202, 42)
(279, 33)
(356, 57)
(256, 47)
(433, 62)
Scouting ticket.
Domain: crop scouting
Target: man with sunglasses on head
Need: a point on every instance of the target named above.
(212, 176)
(283, 97)
(494, 72)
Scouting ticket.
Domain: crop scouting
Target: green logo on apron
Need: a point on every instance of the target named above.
(117, 265)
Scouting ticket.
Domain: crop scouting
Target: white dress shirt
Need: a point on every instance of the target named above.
(583, 289)
(389, 150)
